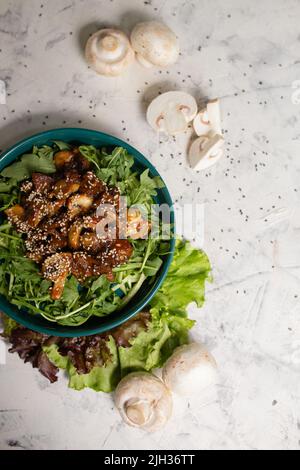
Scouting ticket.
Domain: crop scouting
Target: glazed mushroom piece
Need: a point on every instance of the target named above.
(144, 401)
(171, 112)
(56, 268)
(109, 52)
(190, 369)
(155, 44)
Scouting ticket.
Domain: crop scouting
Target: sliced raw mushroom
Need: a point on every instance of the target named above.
(208, 120)
(206, 151)
(154, 44)
(171, 112)
(143, 401)
(190, 369)
(109, 52)
(2, 92)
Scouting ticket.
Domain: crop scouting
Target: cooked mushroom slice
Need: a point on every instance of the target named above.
(74, 234)
(63, 157)
(16, 216)
(154, 44)
(206, 151)
(90, 242)
(137, 225)
(36, 210)
(56, 268)
(15, 213)
(41, 243)
(91, 185)
(26, 187)
(78, 203)
(88, 224)
(190, 369)
(85, 265)
(171, 112)
(144, 401)
(110, 197)
(109, 52)
(117, 252)
(41, 182)
(208, 120)
(66, 186)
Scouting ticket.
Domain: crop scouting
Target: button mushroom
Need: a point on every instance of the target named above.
(154, 44)
(208, 120)
(205, 151)
(143, 401)
(171, 112)
(109, 52)
(190, 369)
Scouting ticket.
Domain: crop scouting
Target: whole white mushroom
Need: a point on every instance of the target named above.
(143, 401)
(109, 52)
(154, 44)
(190, 369)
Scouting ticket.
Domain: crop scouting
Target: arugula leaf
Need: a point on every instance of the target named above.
(90, 153)
(30, 163)
(20, 279)
(61, 145)
(167, 329)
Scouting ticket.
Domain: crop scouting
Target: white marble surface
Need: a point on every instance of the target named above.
(247, 53)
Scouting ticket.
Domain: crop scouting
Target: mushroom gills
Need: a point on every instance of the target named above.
(171, 112)
(206, 151)
(138, 411)
(143, 401)
(109, 52)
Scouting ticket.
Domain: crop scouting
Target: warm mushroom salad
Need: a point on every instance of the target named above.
(64, 221)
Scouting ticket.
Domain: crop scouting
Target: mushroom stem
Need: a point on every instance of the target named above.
(143, 401)
(138, 411)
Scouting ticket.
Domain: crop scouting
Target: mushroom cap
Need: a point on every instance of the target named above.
(206, 151)
(109, 52)
(190, 369)
(143, 401)
(171, 112)
(155, 44)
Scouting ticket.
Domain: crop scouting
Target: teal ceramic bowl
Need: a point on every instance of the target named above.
(94, 324)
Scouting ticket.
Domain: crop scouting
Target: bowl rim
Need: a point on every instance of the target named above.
(84, 330)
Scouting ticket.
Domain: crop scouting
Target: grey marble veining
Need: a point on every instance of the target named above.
(247, 53)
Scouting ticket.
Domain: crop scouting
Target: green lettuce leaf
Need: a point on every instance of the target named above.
(8, 325)
(151, 348)
(185, 282)
(168, 328)
(100, 379)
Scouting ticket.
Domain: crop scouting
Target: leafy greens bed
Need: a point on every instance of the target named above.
(143, 343)
(20, 279)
